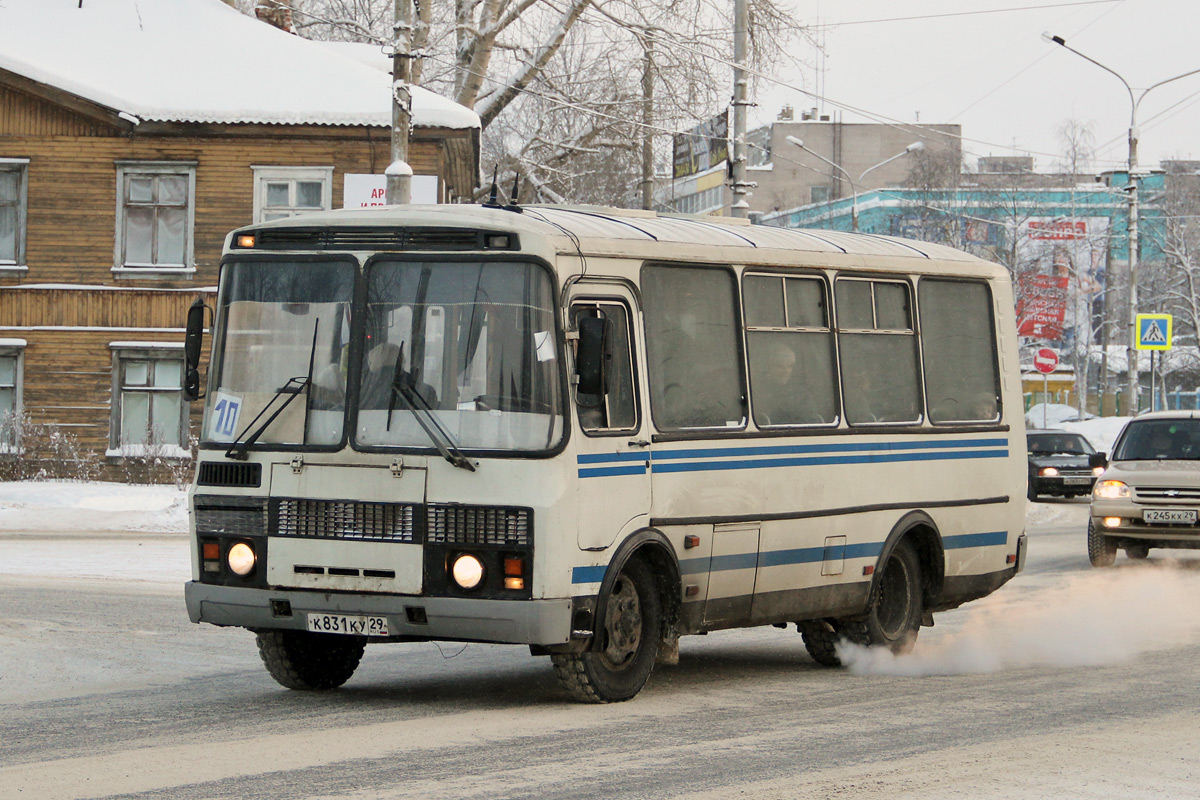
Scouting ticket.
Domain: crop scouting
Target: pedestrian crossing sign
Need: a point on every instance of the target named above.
(1153, 332)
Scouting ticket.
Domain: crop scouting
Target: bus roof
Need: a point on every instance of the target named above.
(601, 230)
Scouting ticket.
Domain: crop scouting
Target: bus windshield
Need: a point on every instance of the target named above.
(463, 351)
(286, 334)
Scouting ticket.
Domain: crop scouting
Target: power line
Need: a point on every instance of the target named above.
(967, 13)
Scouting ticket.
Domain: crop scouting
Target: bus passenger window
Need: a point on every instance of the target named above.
(878, 349)
(693, 347)
(958, 337)
(616, 407)
(791, 351)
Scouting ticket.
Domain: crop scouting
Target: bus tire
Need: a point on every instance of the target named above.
(310, 661)
(630, 631)
(1102, 551)
(821, 637)
(894, 614)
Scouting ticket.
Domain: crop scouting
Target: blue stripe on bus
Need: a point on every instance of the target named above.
(588, 574)
(869, 458)
(604, 458)
(841, 447)
(601, 472)
(800, 555)
(974, 540)
(800, 456)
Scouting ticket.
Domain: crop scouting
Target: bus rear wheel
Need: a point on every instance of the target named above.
(310, 661)
(629, 637)
(893, 615)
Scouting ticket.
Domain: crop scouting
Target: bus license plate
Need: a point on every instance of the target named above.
(349, 624)
(1171, 516)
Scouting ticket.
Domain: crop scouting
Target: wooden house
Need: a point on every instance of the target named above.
(133, 137)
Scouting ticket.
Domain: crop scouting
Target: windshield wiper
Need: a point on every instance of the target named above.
(293, 388)
(423, 413)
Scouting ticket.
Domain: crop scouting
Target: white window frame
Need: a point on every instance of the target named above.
(144, 351)
(14, 348)
(127, 169)
(21, 167)
(269, 174)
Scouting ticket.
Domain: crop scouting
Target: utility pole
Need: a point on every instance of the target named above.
(399, 173)
(740, 207)
(647, 121)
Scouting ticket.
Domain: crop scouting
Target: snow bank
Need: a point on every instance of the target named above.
(73, 506)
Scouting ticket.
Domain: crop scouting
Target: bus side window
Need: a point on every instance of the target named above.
(958, 337)
(693, 345)
(790, 349)
(878, 347)
(614, 407)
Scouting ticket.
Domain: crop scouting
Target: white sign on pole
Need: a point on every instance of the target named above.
(366, 191)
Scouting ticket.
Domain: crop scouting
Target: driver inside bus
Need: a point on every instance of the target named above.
(385, 374)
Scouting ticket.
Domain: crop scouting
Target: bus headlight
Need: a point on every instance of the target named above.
(1111, 490)
(467, 571)
(1048, 472)
(241, 559)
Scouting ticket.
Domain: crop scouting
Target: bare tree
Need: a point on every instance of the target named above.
(553, 80)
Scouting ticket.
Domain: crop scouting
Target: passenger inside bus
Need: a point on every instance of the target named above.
(782, 393)
(385, 373)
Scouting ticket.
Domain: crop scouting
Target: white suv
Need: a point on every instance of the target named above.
(1149, 495)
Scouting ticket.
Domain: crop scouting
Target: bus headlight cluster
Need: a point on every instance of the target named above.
(467, 571)
(241, 559)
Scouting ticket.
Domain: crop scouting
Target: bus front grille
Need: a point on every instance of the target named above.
(217, 473)
(328, 519)
(231, 516)
(454, 524)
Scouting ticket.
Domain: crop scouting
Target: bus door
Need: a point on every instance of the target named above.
(612, 443)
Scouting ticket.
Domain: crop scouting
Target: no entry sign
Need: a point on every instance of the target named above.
(1045, 360)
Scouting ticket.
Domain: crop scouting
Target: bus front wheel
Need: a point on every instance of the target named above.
(310, 661)
(629, 637)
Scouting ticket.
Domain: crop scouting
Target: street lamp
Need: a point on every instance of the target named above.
(912, 148)
(1133, 386)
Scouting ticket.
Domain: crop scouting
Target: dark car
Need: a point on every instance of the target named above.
(1059, 464)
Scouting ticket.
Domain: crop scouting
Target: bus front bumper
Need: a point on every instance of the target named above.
(543, 622)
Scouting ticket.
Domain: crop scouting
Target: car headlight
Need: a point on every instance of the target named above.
(1110, 490)
(241, 559)
(467, 571)
(1048, 472)
(1097, 471)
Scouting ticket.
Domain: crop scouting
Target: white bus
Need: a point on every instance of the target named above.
(593, 431)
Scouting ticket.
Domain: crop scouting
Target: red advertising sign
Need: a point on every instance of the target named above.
(1041, 305)
(1045, 360)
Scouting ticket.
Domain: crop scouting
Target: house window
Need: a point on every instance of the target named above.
(11, 352)
(148, 408)
(155, 215)
(287, 191)
(13, 173)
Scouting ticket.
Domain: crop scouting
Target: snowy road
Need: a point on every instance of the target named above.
(1069, 682)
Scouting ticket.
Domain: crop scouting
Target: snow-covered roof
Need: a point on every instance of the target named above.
(200, 61)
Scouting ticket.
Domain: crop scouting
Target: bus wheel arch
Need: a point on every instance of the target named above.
(922, 532)
(636, 618)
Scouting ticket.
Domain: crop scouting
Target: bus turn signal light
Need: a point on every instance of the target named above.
(245, 240)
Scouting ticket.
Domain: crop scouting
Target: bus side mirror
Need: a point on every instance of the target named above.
(589, 357)
(193, 343)
(1098, 460)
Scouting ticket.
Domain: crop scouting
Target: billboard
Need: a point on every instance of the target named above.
(701, 148)
(1060, 277)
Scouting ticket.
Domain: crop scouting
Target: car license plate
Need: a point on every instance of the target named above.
(1171, 516)
(1076, 481)
(349, 624)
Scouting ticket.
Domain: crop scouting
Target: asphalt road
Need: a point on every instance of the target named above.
(1069, 682)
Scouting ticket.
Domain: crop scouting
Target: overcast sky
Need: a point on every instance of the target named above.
(954, 61)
